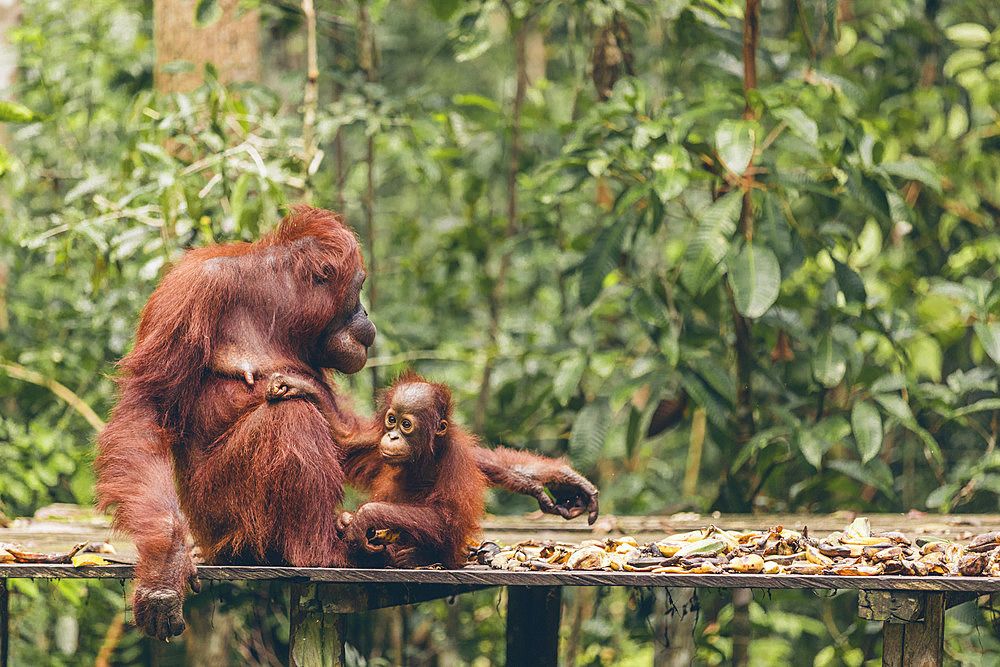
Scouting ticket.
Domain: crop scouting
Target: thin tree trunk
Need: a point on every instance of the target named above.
(310, 96)
(744, 358)
(497, 296)
(368, 57)
(741, 325)
(231, 43)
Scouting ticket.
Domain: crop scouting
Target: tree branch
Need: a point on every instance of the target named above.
(19, 372)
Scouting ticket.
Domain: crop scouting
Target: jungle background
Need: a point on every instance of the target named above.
(722, 255)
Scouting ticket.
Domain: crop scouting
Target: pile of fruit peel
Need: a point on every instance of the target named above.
(854, 551)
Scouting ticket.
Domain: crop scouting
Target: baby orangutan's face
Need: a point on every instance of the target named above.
(411, 423)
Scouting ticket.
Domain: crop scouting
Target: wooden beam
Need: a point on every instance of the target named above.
(484, 576)
(533, 625)
(318, 612)
(891, 606)
(916, 644)
(316, 637)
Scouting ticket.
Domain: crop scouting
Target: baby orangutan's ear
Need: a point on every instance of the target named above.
(442, 427)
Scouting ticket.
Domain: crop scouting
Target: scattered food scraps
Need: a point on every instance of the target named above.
(855, 551)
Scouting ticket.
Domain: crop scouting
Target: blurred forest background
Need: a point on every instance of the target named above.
(734, 255)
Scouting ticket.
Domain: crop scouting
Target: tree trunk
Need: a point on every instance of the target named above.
(231, 43)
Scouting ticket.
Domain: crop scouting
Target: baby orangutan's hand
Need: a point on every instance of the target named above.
(343, 522)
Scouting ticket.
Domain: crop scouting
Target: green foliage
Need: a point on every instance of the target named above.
(812, 263)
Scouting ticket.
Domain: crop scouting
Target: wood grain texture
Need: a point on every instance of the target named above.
(316, 636)
(533, 616)
(892, 644)
(486, 577)
(891, 606)
(923, 642)
(74, 524)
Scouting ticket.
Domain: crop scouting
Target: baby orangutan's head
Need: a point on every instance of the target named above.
(415, 418)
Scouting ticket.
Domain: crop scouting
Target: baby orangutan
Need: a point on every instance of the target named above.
(427, 490)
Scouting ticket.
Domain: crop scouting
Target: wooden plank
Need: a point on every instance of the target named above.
(923, 642)
(905, 639)
(60, 527)
(533, 615)
(892, 644)
(478, 576)
(316, 637)
(891, 606)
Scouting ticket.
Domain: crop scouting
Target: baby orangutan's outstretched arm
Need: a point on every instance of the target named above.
(521, 472)
(531, 474)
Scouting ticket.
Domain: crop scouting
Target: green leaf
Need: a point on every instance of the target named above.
(756, 280)
(567, 378)
(716, 376)
(866, 423)
(206, 12)
(896, 407)
(799, 123)
(600, 260)
(717, 409)
(734, 141)
(829, 362)
(888, 383)
(177, 67)
(758, 442)
(850, 282)
(968, 34)
(988, 334)
(869, 194)
(670, 172)
(875, 473)
(710, 243)
(812, 447)
(597, 165)
(590, 430)
(983, 405)
(15, 112)
(472, 100)
(913, 171)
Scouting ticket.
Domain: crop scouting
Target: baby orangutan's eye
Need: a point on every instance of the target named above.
(390, 420)
(406, 425)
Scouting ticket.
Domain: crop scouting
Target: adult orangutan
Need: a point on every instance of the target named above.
(193, 446)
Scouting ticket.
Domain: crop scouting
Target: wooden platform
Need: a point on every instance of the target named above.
(911, 608)
(483, 576)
